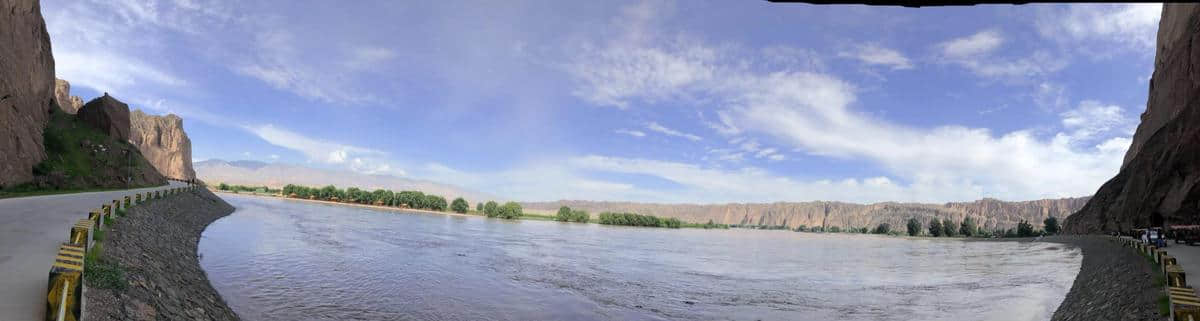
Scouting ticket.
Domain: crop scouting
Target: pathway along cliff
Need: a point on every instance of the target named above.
(155, 246)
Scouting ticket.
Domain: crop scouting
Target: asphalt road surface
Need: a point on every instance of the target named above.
(31, 229)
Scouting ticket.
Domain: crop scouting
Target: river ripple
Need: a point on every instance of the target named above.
(275, 259)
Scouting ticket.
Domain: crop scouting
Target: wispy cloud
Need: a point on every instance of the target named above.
(630, 132)
(1101, 29)
(655, 127)
(815, 113)
(978, 53)
(874, 54)
(358, 159)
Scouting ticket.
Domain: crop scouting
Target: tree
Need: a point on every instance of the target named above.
(580, 216)
(479, 207)
(434, 202)
(882, 228)
(491, 209)
(834, 229)
(948, 227)
(935, 227)
(1051, 225)
(968, 227)
(1024, 229)
(223, 187)
(564, 214)
(510, 210)
(914, 227)
(460, 205)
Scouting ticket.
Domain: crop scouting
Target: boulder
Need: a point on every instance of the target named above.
(109, 115)
(1157, 183)
(62, 96)
(26, 89)
(163, 142)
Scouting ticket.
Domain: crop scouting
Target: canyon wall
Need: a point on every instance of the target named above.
(163, 142)
(26, 89)
(62, 95)
(989, 213)
(1157, 183)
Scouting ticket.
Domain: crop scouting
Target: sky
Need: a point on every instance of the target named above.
(649, 101)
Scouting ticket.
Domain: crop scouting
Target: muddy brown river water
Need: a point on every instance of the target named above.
(277, 259)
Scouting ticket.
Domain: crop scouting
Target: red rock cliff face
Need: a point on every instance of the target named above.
(1157, 182)
(163, 142)
(989, 213)
(26, 89)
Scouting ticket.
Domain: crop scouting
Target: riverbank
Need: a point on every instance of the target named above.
(154, 245)
(1114, 283)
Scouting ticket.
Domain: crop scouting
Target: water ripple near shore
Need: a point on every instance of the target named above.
(280, 260)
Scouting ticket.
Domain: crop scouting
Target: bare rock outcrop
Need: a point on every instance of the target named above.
(989, 213)
(26, 89)
(1157, 184)
(163, 142)
(62, 96)
(109, 115)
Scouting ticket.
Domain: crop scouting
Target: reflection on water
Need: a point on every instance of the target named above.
(287, 260)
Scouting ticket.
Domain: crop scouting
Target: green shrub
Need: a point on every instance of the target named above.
(460, 205)
(100, 273)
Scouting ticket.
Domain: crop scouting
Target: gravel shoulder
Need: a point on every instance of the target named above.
(155, 244)
(1114, 283)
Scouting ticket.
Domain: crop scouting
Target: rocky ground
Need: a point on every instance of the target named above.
(1114, 283)
(155, 244)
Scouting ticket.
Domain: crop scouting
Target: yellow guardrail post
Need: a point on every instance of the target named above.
(116, 205)
(127, 203)
(65, 287)
(97, 219)
(107, 210)
(1175, 276)
(1183, 303)
(81, 233)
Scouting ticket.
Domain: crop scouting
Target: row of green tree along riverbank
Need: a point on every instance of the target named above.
(934, 228)
(512, 210)
(437, 203)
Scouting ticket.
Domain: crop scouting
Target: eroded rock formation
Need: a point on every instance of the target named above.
(1158, 180)
(26, 89)
(989, 213)
(109, 115)
(163, 142)
(62, 96)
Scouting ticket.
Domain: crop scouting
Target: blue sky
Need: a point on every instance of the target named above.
(688, 101)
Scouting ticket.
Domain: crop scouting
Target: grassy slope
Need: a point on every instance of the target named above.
(86, 169)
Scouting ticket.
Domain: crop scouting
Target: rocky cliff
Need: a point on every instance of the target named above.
(62, 96)
(107, 114)
(1157, 183)
(991, 213)
(26, 89)
(163, 142)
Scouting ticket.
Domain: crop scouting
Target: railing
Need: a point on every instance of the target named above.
(1182, 300)
(65, 289)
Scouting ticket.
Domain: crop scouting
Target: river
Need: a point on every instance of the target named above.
(277, 259)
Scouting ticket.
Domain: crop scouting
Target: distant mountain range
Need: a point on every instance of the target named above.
(275, 175)
(990, 213)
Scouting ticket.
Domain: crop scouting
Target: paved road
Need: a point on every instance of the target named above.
(31, 228)
(1188, 257)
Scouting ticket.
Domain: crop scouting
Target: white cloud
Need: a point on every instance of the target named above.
(655, 127)
(980, 43)
(873, 54)
(978, 54)
(1091, 119)
(815, 113)
(1102, 29)
(355, 158)
(630, 132)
